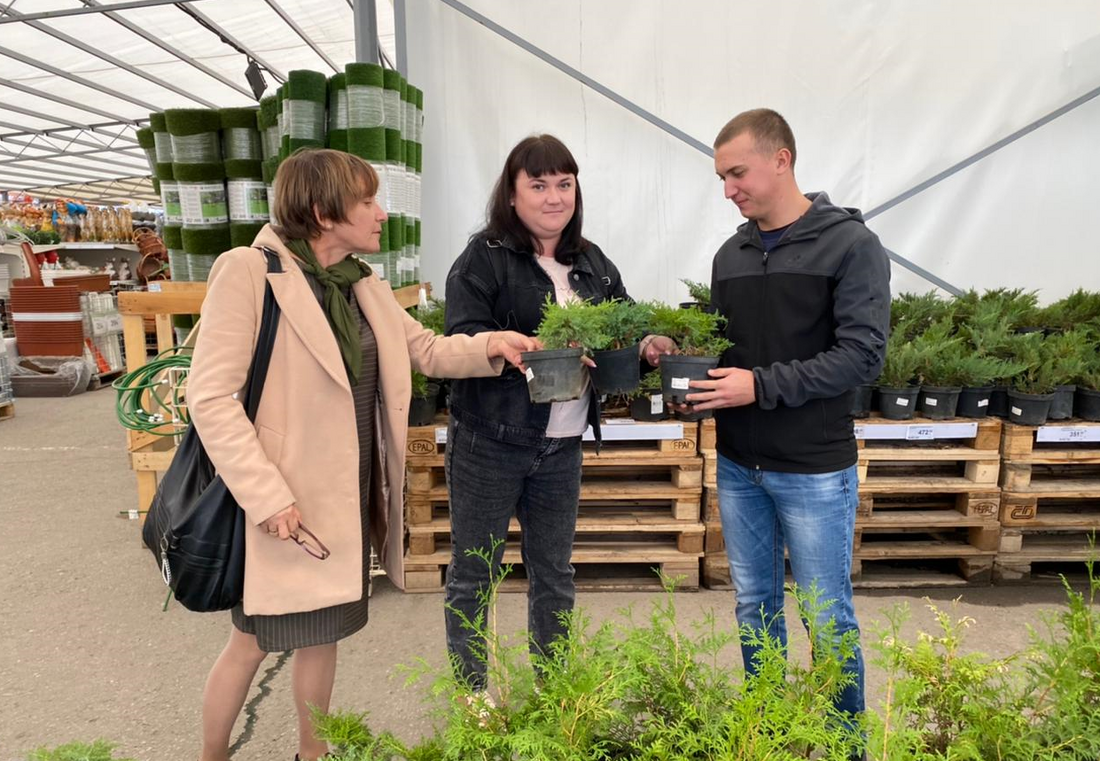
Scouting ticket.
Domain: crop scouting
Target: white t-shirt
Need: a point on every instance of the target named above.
(566, 418)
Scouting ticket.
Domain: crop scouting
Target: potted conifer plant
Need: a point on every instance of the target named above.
(700, 296)
(422, 407)
(623, 323)
(1069, 353)
(1087, 402)
(556, 374)
(940, 352)
(647, 404)
(697, 333)
(1033, 388)
(897, 384)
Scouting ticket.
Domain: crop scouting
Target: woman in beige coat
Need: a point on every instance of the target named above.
(327, 448)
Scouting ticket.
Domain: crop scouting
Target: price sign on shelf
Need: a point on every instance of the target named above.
(920, 433)
(441, 435)
(861, 431)
(1067, 434)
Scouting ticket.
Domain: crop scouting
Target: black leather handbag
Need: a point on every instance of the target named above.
(195, 528)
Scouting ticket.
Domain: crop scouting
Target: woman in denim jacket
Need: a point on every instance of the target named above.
(507, 456)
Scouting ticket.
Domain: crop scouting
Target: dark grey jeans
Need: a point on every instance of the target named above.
(488, 482)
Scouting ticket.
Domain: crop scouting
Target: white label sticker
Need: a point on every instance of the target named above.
(656, 404)
(919, 433)
(932, 402)
(983, 403)
(681, 384)
(1017, 411)
(248, 201)
(859, 431)
(440, 435)
(133, 515)
(530, 375)
(902, 401)
(1066, 434)
(203, 203)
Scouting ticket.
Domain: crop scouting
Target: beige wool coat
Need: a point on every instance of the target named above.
(303, 449)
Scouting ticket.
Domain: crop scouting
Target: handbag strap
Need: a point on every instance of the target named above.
(269, 325)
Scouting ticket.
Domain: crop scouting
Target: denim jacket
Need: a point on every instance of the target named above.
(498, 285)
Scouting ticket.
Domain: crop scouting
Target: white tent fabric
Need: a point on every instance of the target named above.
(881, 97)
(41, 71)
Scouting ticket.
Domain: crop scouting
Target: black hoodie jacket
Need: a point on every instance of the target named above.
(810, 319)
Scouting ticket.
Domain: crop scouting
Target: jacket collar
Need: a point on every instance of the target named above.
(821, 215)
(300, 307)
(580, 261)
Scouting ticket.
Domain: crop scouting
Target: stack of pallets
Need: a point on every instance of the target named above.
(928, 502)
(1050, 507)
(640, 509)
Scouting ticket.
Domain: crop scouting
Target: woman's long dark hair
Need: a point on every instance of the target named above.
(537, 155)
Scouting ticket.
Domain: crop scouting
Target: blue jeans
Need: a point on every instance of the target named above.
(489, 482)
(813, 515)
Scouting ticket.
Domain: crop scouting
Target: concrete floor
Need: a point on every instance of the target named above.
(87, 652)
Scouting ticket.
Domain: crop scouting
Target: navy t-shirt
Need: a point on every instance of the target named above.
(770, 237)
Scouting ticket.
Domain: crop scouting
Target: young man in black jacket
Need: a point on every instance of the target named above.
(805, 287)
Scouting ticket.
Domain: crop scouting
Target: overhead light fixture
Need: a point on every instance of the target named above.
(255, 76)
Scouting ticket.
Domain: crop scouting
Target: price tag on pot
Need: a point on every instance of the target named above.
(441, 435)
(530, 375)
(656, 404)
(983, 403)
(919, 433)
(932, 402)
(1067, 434)
(1017, 411)
(681, 384)
(901, 401)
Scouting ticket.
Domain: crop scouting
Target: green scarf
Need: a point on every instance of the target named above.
(340, 275)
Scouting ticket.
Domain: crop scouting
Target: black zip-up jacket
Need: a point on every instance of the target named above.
(498, 285)
(810, 319)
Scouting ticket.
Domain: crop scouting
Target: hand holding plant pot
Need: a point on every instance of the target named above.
(698, 335)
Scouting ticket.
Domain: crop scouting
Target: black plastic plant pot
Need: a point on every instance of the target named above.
(898, 403)
(861, 401)
(677, 372)
(422, 408)
(616, 370)
(556, 375)
(1061, 407)
(938, 402)
(974, 401)
(649, 408)
(1028, 409)
(998, 402)
(1088, 404)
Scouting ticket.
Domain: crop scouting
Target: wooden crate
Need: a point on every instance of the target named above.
(595, 559)
(1026, 553)
(151, 454)
(957, 455)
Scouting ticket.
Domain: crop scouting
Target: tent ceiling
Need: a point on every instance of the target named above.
(75, 87)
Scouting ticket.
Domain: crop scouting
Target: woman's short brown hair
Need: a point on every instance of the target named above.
(319, 178)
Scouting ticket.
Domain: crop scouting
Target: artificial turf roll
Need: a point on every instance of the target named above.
(337, 137)
(268, 168)
(196, 146)
(281, 120)
(207, 241)
(148, 144)
(307, 94)
(244, 233)
(173, 237)
(268, 123)
(392, 113)
(162, 143)
(241, 143)
(366, 130)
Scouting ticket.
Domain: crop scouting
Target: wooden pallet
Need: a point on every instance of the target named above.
(1023, 550)
(981, 505)
(622, 438)
(1075, 509)
(602, 562)
(1020, 443)
(7, 410)
(592, 522)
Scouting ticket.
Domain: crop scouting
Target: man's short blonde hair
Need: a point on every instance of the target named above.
(769, 131)
(330, 181)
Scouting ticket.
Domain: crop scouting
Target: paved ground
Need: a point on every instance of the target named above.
(88, 653)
